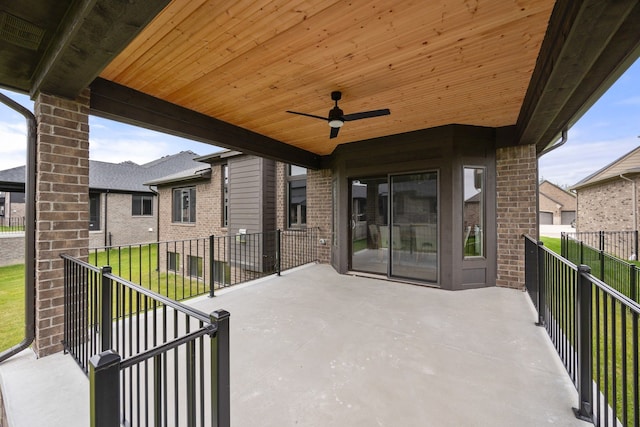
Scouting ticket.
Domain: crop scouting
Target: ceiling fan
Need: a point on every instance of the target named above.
(337, 118)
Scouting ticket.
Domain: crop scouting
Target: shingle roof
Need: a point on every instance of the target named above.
(629, 163)
(126, 176)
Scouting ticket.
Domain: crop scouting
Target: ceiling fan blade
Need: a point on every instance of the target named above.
(366, 115)
(334, 132)
(308, 115)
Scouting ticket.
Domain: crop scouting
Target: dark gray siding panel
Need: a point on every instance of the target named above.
(245, 183)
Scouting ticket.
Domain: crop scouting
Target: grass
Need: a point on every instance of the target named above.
(140, 265)
(12, 302)
(552, 243)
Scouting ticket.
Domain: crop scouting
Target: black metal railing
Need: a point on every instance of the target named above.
(621, 244)
(150, 360)
(186, 268)
(594, 329)
(623, 276)
(12, 224)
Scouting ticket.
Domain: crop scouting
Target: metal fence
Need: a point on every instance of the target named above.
(594, 329)
(621, 275)
(150, 360)
(182, 269)
(12, 224)
(621, 244)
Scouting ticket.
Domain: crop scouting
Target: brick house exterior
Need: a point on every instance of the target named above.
(556, 205)
(607, 200)
(257, 194)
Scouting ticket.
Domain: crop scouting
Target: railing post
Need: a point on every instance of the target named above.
(563, 251)
(104, 389)
(541, 282)
(106, 312)
(584, 411)
(633, 292)
(601, 242)
(212, 267)
(581, 260)
(278, 260)
(601, 265)
(220, 375)
(635, 243)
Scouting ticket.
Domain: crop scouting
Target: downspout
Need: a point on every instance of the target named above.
(548, 149)
(554, 146)
(634, 200)
(29, 231)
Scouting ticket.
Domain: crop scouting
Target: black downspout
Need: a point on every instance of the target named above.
(29, 229)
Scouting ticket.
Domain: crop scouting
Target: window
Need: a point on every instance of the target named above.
(141, 205)
(225, 195)
(221, 272)
(297, 196)
(473, 212)
(195, 266)
(173, 261)
(184, 205)
(94, 211)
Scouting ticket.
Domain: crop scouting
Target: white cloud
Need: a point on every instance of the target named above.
(13, 144)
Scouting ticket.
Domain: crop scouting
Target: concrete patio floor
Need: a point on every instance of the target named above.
(315, 348)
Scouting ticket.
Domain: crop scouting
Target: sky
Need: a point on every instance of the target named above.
(610, 129)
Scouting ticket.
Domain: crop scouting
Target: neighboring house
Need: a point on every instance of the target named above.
(122, 210)
(228, 194)
(608, 198)
(556, 205)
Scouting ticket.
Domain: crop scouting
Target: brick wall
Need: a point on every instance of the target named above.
(319, 209)
(125, 228)
(606, 207)
(516, 189)
(281, 195)
(62, 207)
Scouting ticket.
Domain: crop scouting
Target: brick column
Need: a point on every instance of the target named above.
(62, 207)
(516, 210)
(319, 212)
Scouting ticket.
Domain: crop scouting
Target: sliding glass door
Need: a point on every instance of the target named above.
(394, 226)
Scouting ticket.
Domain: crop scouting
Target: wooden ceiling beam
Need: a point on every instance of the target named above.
(116, 102)
(588, 45)
(91, 34)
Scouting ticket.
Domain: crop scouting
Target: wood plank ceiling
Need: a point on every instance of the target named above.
(430, 62)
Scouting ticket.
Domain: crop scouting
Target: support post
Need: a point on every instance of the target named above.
(212, 267)
(104, 389)
(633, 291)
(584, 411)
(278, 243)
(220, 374)
(541, 282)
(106, 310)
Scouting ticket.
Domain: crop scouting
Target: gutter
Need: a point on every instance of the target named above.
(558, 145)
(30, 229)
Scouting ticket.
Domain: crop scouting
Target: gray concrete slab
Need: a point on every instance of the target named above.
(51, 391)
(315, 348)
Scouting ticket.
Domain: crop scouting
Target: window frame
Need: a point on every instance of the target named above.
(94, 220)
(140, 199)
(301, 209)
(482, 205)
(178, 215)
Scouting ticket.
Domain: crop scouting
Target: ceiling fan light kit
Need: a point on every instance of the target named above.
(336, 117)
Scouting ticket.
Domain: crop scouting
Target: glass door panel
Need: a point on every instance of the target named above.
(369, 225)
(414, 226)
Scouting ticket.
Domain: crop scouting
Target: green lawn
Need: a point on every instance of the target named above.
(11, 306)
(552, 243)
